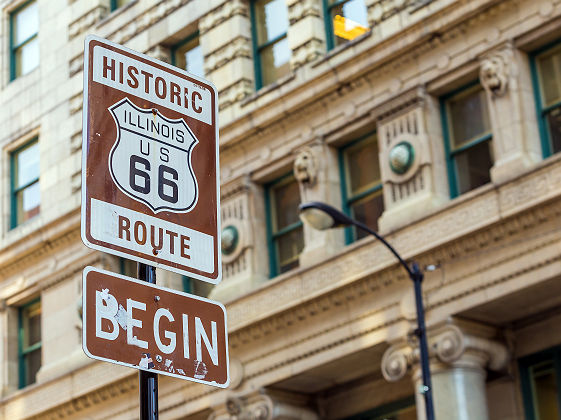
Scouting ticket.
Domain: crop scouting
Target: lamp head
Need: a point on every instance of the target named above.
(322, 216)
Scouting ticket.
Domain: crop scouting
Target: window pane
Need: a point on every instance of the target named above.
(349, 21)
(271, 19)
(32, 366)
(473, 166)
(363, 166)
(31, 319)
(289, 246)
(549, 67)
(190, 57)
(27, 165)
(28, 203)
(275, 61)
(286, 198)
(468, 117)
(554, 126)
(368, 210)
(121, 3)
(26, 23)
(544, 390)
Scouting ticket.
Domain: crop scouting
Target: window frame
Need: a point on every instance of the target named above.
(541, 112)
(258, 48)
(14, 48)
(329, 29)
(113, 5)
(348, 200)
(174, 48)
(451, 165)
(272, 236)
(524, 365)
(13, 190)
(379, 413)
(23, 352)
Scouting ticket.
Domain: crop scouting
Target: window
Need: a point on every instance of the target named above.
(271, 51)
(188, 55)
(546, 68)
(128, 267)
(115, 4)
(467, 139)
(24, 28)
(284, 228)
(29, 342)
(26, 196)
(196, 287)
(539, 376)
(398, 410)
(344, 20)
(362, 184)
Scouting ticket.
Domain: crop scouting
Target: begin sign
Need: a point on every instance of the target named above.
(137, 324)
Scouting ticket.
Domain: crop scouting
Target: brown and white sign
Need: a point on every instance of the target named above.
(150, 177)
(137, 324)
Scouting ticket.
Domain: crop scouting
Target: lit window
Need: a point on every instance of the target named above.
(270, 43)
(362, 184)
(468, 139)
(26, 195)
(24, 24)
(547, 65)
(115, 4)
(539, 377)
(29, 343)
(345, 20)
(188, 56)
(285, 232)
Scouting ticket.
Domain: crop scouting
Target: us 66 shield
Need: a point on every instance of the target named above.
(150, 177)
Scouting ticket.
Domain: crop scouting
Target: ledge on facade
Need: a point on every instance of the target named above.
(267, 89)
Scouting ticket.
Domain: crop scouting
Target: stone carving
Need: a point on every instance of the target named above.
(300, 9)
(160, 52)
(493, 72)
(222, 13)
(262, 406)
(86, 21)
(235, 93)
(305, 167)
(396, 361)
(235, 48)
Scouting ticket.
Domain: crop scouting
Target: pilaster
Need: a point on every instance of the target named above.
(505, 75)
(460, 352)
(244, 265)
(315, 168)
(306, 32)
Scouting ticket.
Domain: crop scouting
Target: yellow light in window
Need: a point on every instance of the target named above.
(346, 28)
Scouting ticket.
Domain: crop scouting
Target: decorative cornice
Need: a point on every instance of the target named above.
(239, 47)
(222, 13)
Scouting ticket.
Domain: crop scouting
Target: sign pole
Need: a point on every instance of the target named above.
(148, 381)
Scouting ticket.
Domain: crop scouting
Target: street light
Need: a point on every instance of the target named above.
(322, 216)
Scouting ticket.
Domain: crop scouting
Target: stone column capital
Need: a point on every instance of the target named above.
(455, 343)
(262, 405)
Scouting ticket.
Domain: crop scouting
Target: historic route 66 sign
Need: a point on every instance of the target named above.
(158, 153)
(150, 179)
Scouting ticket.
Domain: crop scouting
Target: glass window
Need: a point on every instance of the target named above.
(115, 4)
(196, 287)
(539, 376)
(362, 186)
(128, 267)
(345, 20)
(270, 44)
(189, 56)
(548, 66)
(286, 238)
(26, 195)
(399, 410)
(24, 30)
(468, 139)
(29, 343)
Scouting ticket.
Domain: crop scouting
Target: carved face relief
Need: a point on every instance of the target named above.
(493, 75)
(305, 170)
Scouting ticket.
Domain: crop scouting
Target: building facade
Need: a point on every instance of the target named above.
(435, 122)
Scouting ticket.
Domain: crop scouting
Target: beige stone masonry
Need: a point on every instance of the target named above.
(505, 75)
(306, 32)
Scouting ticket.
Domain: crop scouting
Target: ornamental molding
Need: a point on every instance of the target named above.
(307, 52)
(224, 12)
(495, 70)
(239, 47)
(454, 344)
(263, 405)
(91, 399)
(86, 21)
(412, 98)
(301, 9)
(234, 93)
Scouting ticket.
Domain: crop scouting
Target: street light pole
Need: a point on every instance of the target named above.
(322, 216)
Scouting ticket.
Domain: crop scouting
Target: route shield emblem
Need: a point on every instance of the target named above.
(151, 158)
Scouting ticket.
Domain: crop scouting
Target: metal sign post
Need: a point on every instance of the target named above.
(148, 381)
